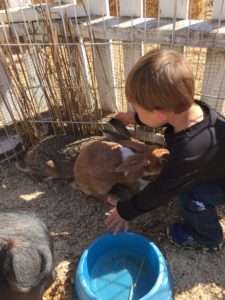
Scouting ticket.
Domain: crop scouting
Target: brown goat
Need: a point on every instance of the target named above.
(104, 163)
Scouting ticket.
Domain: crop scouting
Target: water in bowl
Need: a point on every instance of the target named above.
(120, 274)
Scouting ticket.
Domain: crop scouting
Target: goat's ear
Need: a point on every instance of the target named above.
(50, 164)
(137, 146)
(161, 154)
(133, 163)
(120, 128)
(112, 136)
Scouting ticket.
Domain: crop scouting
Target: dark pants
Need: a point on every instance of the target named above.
(198, 209)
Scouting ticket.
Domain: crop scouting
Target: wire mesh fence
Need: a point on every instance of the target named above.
(63, 64)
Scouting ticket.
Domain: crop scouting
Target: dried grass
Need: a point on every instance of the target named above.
(114, 7)
(199, 9)
(63, 83)
(3, 5)
(59, 74)
(152, 7)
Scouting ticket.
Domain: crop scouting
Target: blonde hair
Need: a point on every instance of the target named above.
(161, 79)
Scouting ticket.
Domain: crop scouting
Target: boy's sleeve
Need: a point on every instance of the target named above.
(173, 179)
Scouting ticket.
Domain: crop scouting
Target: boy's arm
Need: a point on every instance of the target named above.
(173, 179)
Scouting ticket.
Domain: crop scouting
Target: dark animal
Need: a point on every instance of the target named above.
(26, 256)
(53, 157)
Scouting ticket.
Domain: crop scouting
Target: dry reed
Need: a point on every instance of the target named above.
(60, 77)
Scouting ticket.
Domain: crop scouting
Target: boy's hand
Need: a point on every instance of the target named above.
(114, 221)
(126, 118)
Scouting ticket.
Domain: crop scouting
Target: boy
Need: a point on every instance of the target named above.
(160, 88)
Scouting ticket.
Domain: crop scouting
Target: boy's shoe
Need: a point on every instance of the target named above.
(180, 235)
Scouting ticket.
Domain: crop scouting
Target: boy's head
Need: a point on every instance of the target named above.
(161, 79)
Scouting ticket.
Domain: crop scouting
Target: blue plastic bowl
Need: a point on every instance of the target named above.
(127, 266)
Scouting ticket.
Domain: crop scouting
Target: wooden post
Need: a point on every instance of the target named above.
(98, 7)
(174, 9)
(213, 88)
(18, 3)
(9, 108)
(131, 8)
(218, 11)
(86, 74)
(104, 61)
(132, 51)
(35, 86)
(104, 71)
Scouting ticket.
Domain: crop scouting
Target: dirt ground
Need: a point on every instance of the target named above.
(76, 220)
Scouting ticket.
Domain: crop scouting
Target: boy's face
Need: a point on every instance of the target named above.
(154, 118)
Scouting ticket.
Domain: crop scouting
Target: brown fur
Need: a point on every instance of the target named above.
(100, 165)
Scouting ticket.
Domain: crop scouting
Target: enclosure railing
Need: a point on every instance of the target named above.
(64, 64)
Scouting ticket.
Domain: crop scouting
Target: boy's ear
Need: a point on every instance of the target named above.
(160, 113)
